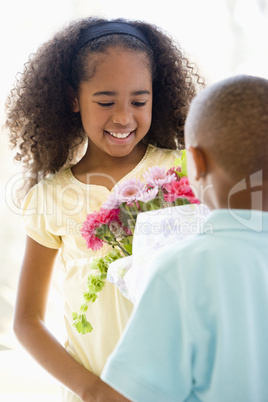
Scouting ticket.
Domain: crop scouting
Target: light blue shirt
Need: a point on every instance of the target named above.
(200, 329)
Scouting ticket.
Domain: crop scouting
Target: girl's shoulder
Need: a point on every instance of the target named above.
(54, 185)
(61, 178)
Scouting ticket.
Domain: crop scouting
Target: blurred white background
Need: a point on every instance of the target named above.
(224, 37)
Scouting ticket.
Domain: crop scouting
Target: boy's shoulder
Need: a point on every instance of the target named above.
(226, 240)
(186, 250)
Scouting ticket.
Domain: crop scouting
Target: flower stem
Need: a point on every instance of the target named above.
(133, 221)
(121, 247)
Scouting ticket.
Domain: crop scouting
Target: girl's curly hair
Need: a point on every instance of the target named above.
(43, 127)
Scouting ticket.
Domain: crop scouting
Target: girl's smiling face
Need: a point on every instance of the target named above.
(116, 103)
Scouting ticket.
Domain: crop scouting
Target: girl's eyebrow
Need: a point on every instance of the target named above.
(113, 93)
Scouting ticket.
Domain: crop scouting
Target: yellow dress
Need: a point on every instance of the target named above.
(54, 211)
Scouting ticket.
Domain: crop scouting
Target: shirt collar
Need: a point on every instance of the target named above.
(236, 219)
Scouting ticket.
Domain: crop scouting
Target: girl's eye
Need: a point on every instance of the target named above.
(105, 104)
(108, 104)
(139, 104)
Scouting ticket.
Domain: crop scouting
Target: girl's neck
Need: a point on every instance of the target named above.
(106, 170)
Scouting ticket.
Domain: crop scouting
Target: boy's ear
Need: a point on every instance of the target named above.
(199, 161)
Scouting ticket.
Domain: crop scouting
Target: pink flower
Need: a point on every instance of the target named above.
(127, 191)
(112, 202)
(95, 220)
(180, 189)
(157, 177)
(173, 170)
(148, 194)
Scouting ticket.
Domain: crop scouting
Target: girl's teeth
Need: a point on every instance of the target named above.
(119, 135)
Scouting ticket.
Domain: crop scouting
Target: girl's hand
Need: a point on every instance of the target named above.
(103, 393)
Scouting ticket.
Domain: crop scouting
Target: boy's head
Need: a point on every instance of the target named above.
(226, 134)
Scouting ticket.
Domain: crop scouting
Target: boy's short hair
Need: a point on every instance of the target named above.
(230, 120)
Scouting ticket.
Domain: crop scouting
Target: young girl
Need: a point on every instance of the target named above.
(124, 88)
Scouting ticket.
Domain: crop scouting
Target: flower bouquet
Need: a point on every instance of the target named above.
(115, 222)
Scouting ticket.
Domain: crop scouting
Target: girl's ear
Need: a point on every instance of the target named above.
(72, 97)
(75, 105)
(199, 161)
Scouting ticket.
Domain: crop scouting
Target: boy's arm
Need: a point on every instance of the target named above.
(30, 329)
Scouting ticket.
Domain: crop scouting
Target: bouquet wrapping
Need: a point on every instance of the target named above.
(153, 231)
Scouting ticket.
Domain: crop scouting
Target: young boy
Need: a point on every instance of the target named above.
(200, 329)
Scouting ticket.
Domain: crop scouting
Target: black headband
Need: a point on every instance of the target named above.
(100, 29)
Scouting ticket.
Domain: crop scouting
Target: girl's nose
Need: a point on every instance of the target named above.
(122, 116)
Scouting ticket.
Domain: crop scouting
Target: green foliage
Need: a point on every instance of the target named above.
(104, 233)
(81, 324)
(181, 201)
(128, 215)
(182, 162)
(127, 244)
(95, 284)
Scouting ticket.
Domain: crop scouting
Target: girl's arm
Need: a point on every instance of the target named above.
(30, 329)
